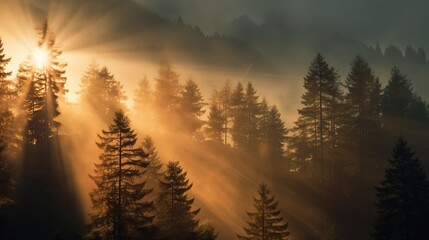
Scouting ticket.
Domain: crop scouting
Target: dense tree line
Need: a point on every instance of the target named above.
(345, 127)
(338, 136)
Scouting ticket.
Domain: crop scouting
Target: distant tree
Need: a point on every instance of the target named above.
(251, 109)
(276, 132)
(220, 114)
(215, 123)
(120, 208)
(265, 223)
(192, 104)
(225, 107)
(167, 91)
(362, 118)
(143, 103)
(403, 198)
(318, 119)
(396, 100)
(102, 92)
(153, 174)
(238, 130)
(175, 218)
(263, 121)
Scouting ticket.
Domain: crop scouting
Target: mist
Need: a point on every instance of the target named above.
(138, 61)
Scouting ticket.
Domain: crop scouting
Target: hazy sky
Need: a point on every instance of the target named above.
(392, 21)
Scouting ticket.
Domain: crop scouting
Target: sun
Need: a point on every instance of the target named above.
(40, 58)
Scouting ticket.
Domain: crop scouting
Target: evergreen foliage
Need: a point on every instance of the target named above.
(120, 208)
(265, 223)
(403, 197)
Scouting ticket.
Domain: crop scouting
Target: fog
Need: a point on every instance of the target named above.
(224, 180)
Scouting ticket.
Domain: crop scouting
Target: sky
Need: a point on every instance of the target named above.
(404, 22)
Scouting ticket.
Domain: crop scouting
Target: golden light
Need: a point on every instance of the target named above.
(40, 58)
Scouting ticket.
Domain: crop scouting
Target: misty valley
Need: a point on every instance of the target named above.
(117, 123)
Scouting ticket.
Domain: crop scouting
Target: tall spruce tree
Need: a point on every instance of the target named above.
(44, 88)
(252, 111)
(7, 99)
(362, 102)
(176, 219)
(5, 83)
(317, 123)
(225, 107)
(265, 223)
(403, 198)
(192, 104)
(120, 208)
(238, 130)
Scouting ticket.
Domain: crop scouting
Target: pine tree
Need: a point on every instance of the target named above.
(153, 174)
(192, 104)
(362, 102)
(45, 87)
(263, 121)
(238, 130)
(317, 123)
(101, 91)
(7, 118)
(175, 218)
(167, 91)
(396, 100)
(215, 123)
(276, 132)
(252, 111)
(5, 83)
(265, 223)
(120, 209)
(403, 198)
(143, 104)
(225, 107)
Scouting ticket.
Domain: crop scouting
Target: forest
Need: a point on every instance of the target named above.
(172, 163)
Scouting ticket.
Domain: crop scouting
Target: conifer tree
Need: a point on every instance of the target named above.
(167, 91)
(396, 100)
(101, 91)
(362, 102)
(263, 121)
(153, 172)
(215, 123)
(45, 87)
(143, 96)
(317, 123)
(5, 83)
(265, 223)
(120, 208)
(276, 132)
(192, 104)
(143, 104)
(225, 107)
(252, 112)
(176, 219)
(238, 130)
(403, 198)
(7, 118)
